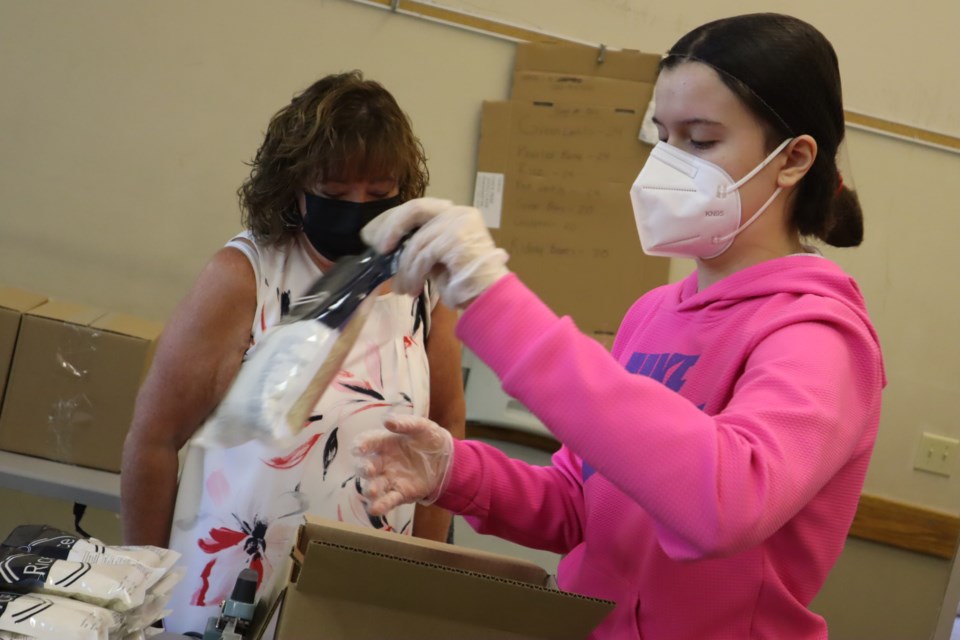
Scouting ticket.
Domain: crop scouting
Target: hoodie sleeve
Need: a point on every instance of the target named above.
(547, 514)
(714, 485)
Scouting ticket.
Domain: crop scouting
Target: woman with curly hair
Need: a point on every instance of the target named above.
(338, 155)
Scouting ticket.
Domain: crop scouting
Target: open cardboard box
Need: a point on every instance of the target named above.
(350, 582)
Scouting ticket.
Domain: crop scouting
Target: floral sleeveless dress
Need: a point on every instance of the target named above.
(240, 507)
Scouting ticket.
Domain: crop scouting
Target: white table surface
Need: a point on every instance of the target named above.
(67, 482)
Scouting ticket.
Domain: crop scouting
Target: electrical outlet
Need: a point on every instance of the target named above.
(936, 454)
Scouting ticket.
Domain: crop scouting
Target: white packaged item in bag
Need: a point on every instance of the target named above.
(154, 605)
(47, 617)
(116, 586)
(291, 366)
(55, 543)
(278, 386)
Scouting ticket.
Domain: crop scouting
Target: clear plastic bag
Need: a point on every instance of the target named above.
(293, 363)
(48, 617)
(116, 586)
(63, 545)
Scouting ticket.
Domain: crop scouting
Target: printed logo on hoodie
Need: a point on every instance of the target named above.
(667, 368)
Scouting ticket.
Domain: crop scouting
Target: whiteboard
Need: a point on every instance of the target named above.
(898, 60)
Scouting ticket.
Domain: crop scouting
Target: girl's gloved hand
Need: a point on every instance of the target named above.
(409, 462)
(452, 245)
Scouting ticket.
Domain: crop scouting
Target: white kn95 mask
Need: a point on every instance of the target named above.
(688, 207)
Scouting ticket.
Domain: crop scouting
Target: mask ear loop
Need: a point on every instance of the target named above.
(724, 190)
(752, 218)
(739, 183)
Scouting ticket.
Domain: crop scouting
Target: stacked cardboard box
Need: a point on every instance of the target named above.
(555, 166)
(73, 381)
(13, 303)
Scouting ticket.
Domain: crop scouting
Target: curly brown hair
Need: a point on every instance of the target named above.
(341, 128)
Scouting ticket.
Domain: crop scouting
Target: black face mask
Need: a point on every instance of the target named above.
(333, 226)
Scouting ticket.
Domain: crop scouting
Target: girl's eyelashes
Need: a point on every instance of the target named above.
(702, 145)
(699, 145)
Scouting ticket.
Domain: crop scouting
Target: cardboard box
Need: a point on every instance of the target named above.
(584, 61)
(573, 74)
(350, 582)
(13, 303)
(555, 166)
(569, 89)
(73, 383)
(567, 221)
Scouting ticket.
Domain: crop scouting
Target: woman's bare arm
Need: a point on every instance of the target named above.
(197, 358)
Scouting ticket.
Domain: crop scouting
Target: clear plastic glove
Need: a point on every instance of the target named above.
(452, 245)
(409, 462)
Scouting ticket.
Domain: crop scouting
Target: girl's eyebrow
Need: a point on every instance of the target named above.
(692, 121)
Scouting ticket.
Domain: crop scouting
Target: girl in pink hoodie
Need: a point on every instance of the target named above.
(711, 467)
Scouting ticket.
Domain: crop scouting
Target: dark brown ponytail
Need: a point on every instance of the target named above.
(844, 226)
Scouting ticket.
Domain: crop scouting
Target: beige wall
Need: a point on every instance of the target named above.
(876, 592)
(893, 56)
(124, 126)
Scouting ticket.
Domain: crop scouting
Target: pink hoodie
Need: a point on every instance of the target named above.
(711, 468)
